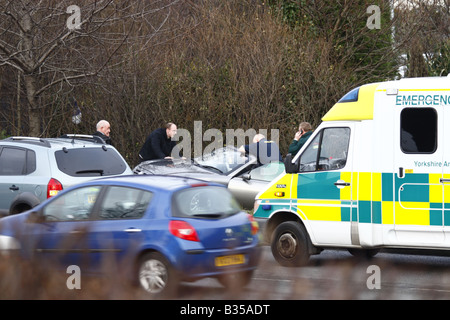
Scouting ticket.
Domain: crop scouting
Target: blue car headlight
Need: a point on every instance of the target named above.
(8, 243)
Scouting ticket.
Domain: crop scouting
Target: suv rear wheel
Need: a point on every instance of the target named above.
(20, 208)
(23, 202)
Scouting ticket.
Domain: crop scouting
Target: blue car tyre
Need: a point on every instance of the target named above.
(156, 276)
(236, 281)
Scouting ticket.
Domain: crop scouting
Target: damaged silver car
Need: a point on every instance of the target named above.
(243, 176)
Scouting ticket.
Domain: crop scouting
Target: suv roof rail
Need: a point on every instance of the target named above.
(87, 137)
(32, 140)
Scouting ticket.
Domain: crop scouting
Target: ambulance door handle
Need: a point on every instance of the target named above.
(341, 184)
(401, 172)
(442, 180)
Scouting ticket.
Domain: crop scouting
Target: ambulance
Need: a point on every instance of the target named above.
(375, 174)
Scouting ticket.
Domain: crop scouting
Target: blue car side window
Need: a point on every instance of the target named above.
(124, 203)
(72, 206)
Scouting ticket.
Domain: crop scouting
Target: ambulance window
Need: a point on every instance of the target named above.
(308, 159)
(418, 130)
(328, 151)
(352, 96)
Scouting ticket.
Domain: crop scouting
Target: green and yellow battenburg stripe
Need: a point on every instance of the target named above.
(371, 198)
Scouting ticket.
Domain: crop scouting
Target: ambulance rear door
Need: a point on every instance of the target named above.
(418, 155)
(444, 99)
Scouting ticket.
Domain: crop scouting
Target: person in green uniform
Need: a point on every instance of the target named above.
(303, 134)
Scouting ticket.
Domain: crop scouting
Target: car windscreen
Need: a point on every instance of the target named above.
(90, 162)
(173, 166)
(204, 202)
(225, 160)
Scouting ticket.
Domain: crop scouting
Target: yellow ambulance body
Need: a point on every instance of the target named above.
(375, 174)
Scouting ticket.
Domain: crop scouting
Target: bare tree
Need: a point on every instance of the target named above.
(52, 43)
(424, 27)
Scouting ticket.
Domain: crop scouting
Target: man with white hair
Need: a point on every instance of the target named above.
(103, 131)
(265, 151)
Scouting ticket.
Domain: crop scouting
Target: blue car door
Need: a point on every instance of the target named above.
(63, 234)
(118, 227)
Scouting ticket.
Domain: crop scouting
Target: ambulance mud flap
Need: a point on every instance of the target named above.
(355, 233)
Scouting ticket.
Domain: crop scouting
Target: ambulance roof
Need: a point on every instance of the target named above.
(358, 104)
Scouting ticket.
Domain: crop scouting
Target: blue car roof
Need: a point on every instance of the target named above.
(155, 182)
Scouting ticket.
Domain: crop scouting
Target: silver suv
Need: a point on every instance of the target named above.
(34, 169)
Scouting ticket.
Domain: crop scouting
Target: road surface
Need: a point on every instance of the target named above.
(335, 274)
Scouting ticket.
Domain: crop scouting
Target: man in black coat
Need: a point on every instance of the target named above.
(159, 144)
(103, 131)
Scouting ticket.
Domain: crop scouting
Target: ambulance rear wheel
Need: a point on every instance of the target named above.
(289, 244)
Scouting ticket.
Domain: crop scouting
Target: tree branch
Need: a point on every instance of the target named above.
(80, 76)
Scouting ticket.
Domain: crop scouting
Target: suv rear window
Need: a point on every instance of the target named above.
(204, 202)
(90, 162)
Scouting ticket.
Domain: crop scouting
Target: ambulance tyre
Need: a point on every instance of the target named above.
(289, 244)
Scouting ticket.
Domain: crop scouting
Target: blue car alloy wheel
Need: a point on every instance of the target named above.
(156, 276)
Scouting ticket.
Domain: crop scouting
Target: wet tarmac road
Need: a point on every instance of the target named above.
(336, 274)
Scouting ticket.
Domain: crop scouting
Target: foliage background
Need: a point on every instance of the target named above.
(235, 64)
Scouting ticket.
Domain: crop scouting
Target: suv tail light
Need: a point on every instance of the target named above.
(183, 230)
(53, 187)
(254, 223)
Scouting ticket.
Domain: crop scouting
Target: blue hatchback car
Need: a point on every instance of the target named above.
(160, 230)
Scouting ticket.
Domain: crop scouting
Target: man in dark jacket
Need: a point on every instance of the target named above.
(103, 131)
(303, 134)
(159, 144)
